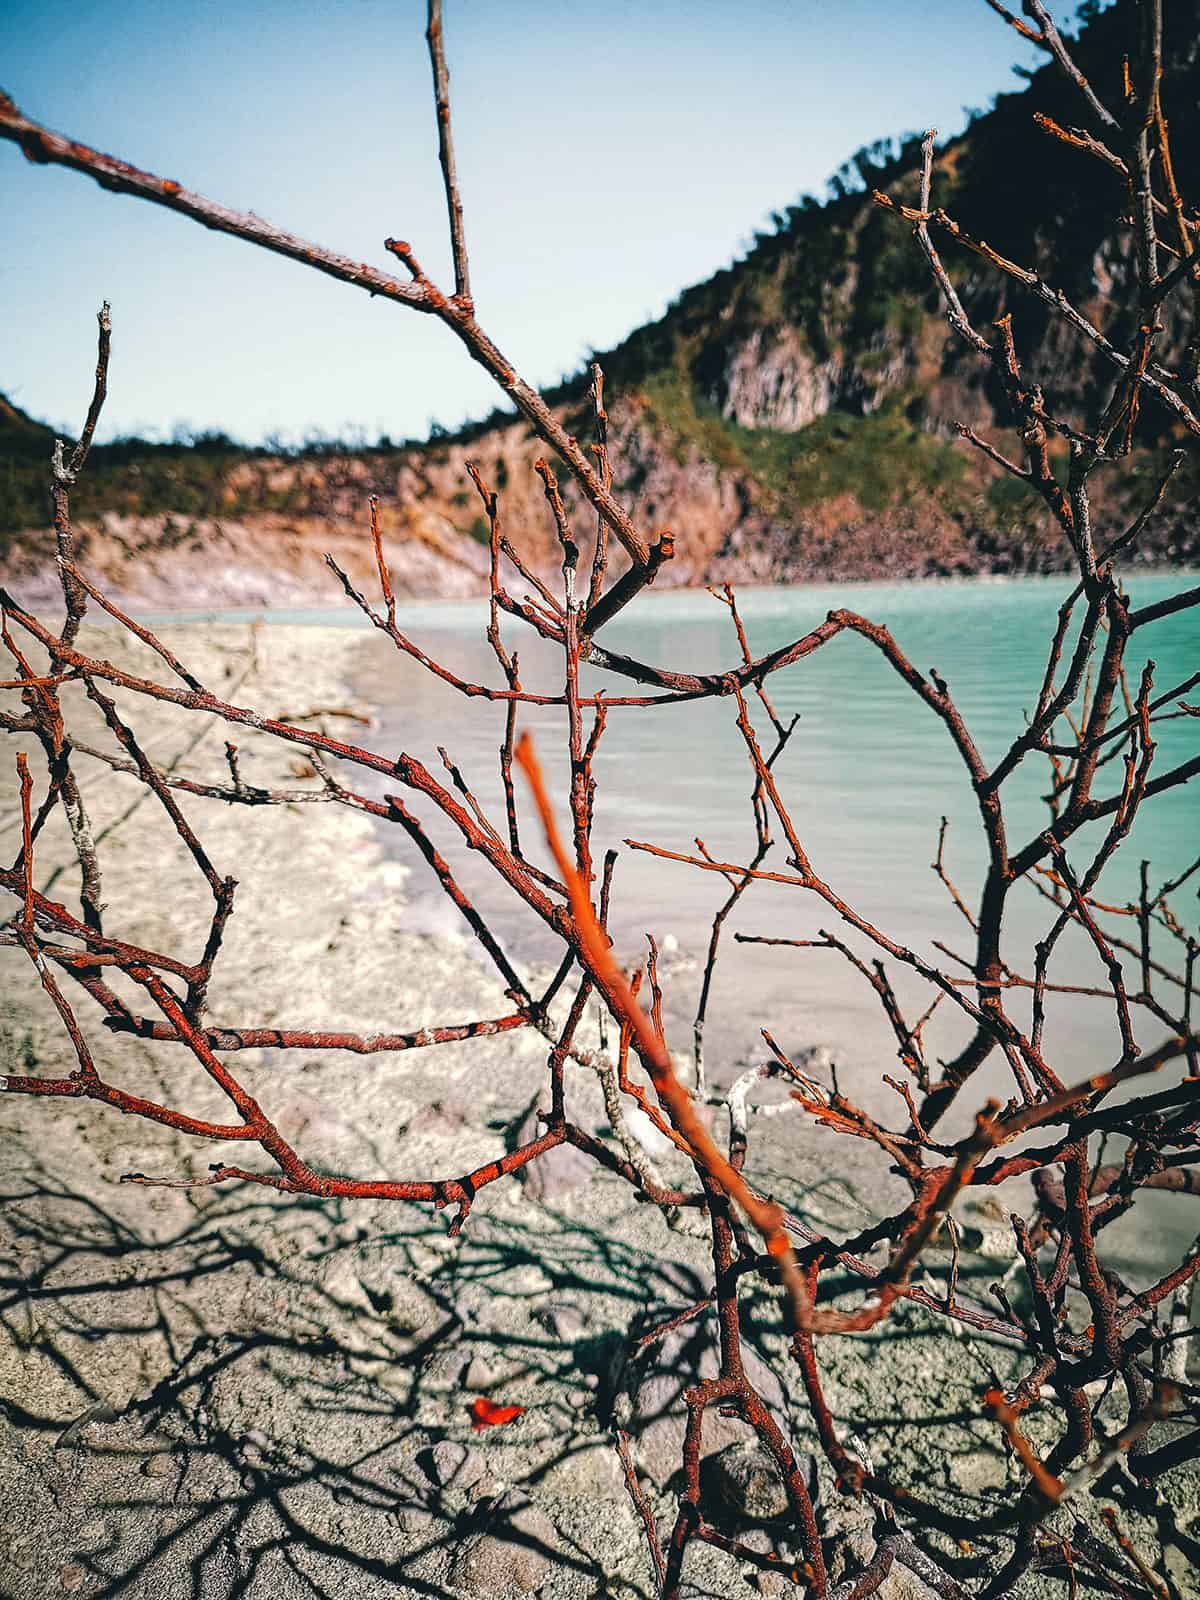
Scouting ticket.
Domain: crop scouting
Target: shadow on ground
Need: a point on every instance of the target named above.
(249, 1397)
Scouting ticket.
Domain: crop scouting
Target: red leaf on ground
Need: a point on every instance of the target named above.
(487, 1414)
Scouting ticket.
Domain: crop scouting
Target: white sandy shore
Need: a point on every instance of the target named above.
(264, 1376)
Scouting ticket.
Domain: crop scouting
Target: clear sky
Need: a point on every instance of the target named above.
(609, 155)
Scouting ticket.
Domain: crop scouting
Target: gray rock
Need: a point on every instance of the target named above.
(449, 1463)
(72, 1435)
(771, 1584)
(901, 1584)
(746, 1482)
(850, 1548)
(589, 1470)
(439, 1117)
(369, 1307)
(478, 1377)
(413, 1519)
(566, 1322)
(558, 1172)
(208, 1478)
(94, 1536)
(512, 1549)
(657, 1413)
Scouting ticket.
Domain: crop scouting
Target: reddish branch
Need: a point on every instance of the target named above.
(1079, 1324)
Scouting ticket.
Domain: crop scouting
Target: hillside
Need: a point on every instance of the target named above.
(790, 418)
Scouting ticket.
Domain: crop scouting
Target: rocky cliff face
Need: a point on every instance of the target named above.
(791, 418)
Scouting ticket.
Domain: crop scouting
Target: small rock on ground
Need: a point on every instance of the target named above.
(513, 1549)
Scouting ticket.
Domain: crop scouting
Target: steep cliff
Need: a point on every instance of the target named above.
(790, 418)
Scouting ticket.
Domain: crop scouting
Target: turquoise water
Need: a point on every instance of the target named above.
(867, 774)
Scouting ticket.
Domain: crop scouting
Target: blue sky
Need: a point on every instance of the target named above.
(609, 155)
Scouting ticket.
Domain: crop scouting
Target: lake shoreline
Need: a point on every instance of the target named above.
(336, 612)
(230, 1382)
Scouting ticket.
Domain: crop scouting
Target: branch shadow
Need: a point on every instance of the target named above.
(244, 1400)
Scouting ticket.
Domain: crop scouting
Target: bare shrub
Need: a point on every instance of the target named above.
(1081, 1331)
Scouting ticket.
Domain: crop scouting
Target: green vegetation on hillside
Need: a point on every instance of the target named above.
(883, 459)
(834, 283)
(133, 477)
